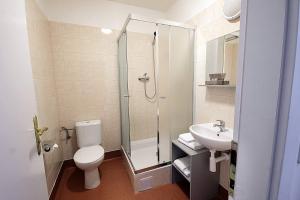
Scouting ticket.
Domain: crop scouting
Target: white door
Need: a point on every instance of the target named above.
(22, 175)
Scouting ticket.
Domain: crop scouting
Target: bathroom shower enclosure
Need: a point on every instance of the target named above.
(156, 77)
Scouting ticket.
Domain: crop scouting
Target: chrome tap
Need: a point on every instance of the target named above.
(221, 125)
(144, 78)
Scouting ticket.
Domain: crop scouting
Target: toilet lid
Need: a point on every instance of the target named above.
(89, 154)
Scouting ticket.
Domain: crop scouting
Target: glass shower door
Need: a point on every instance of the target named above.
(124, 96)
(141, 51)
(175, 81)
(163, 93)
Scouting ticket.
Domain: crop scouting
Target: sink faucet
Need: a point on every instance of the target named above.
(221, 125)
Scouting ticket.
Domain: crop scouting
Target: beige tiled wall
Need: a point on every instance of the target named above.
(231, 61)
(86, 76)
(143, 113)
(213, 103)
(81, 82)
(43, 75)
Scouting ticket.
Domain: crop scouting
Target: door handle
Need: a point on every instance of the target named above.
(126, 96)
(38, 132)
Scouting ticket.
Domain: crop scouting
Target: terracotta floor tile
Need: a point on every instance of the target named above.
(115, 185)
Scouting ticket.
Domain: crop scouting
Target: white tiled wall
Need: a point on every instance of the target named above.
(213, 103)
(86, 75)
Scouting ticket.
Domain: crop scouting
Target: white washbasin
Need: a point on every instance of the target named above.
(211, 137)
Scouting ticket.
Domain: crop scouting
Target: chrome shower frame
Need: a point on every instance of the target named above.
(134, 17)
(153, 20)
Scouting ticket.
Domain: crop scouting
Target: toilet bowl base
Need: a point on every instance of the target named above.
(92, 178)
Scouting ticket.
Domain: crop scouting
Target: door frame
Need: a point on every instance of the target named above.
(268, 34)
(287, 148)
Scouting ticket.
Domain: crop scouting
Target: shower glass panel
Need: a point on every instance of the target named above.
(124, 97)
(176, 76)
(164, 91)
(181, 80)
(142, 86)
(156, 89)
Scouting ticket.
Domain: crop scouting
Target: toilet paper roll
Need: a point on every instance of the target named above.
(55, 146)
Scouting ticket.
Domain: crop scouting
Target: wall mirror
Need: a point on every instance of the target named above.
(222, 59)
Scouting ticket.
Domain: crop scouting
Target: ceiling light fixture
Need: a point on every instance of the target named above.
(106, 30)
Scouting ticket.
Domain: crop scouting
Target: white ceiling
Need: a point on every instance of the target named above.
(160, 5)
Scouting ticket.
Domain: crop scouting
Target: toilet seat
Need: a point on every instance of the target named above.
(90, 154)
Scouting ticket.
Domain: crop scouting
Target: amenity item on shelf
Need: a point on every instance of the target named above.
(188, 140)
(217, 76)
(184, 165)
(216, 82)
(187, 137)
(217, 79)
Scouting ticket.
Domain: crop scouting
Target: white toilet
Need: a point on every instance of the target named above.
(90, 154)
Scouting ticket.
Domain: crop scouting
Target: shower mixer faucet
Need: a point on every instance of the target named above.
(144, 78)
